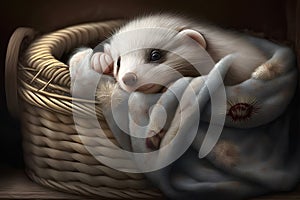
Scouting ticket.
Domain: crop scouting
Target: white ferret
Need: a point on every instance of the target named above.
(151, 49)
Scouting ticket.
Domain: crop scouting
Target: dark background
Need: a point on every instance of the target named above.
(275, 18)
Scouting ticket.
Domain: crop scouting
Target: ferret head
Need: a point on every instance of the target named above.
(148, 59)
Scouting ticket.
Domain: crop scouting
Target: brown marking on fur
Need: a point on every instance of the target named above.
(226, 153)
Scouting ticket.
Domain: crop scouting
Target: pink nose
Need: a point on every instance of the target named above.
(129, 79)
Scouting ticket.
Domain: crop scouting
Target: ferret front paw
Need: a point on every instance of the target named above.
(102, 63)
(267, 71)
(225, 153)
(82, 73)
(75, 62)
(154, 141)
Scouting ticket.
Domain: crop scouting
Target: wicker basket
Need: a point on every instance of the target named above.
(38, 92)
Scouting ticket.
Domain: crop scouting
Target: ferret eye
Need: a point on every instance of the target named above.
(118, 63)
(155, 55)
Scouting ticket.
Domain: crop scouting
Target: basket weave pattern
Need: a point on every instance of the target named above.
(53, 151)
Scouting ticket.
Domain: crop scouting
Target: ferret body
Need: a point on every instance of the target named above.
(151, 49)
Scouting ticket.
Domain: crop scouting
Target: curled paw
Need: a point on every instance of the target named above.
(77, 62)
(226, 153)
(154, 141)
(102, 63)
(267, 71)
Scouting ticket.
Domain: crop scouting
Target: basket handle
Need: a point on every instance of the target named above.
(15, 46)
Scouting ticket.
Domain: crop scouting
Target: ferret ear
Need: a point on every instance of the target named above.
(195, 35)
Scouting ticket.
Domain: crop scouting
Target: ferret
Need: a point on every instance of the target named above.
(152, 48)
(151, 52)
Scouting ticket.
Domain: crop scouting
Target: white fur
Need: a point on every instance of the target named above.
(260, 59)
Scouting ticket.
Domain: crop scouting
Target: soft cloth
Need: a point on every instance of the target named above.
(252, 154)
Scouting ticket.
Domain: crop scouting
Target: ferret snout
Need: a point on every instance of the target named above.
(129, 79)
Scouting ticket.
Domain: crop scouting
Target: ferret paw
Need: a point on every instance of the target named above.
(154, 141)
(76, 61)
(267, 71)
(226, 153)
(102, 63)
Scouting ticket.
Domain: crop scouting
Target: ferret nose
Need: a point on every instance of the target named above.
(129, 79)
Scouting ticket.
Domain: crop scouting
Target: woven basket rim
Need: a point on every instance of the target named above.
(45, 80)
